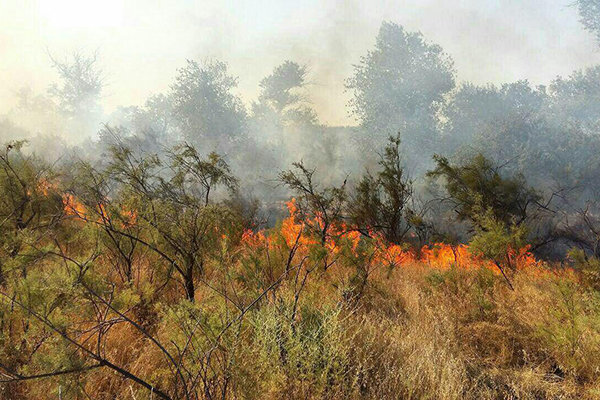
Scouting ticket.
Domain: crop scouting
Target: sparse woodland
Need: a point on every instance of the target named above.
(448, 247)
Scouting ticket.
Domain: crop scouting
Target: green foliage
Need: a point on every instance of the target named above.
(495, 241)
(315, 354)
(589, 12)
(473, 288)
(478, 185)
(136, 276)
(482, 292)
(399, 85)
(204, 108)
(382, 202)
(569, 330)
(281, 97)
(200, 175)
(320, 208)
(29, 205)
(588, 266)
(448, 279)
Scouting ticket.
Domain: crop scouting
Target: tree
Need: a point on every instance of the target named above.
(381, 202)
(171, 203)
(498, 242)
(475, 111)
(578, 225)
(589, 12)
(321, 209)
(153, 119)
(81, 84)
(545, 133)
(204, 107)
(477, 186)
(499, 207)
(281, 96)
(29, 205)
(400, 85)
(574, 102)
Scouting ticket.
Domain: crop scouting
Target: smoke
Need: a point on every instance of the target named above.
(142, 43)
(142, 46)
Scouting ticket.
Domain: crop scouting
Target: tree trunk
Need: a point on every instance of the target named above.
(190, 290)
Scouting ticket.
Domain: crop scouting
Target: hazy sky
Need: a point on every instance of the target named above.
(142, 43)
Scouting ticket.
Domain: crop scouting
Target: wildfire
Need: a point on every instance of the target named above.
(393, 254)
(295, 232)
(75, 208)
(45, 186)
(129, 217)
(291, 230)
(438, 255)
(253, 239)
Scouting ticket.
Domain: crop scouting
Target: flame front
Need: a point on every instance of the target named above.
(441, 256)
(301, 234)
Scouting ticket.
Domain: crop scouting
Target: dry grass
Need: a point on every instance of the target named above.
(415, 333)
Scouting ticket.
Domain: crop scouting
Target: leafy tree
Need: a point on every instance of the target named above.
(475, 112)
(204, 107)
(281, 96)
(477, 185)
(589, 12)
(198, 174)
(177, 208)
(578, 225)
(498, 242)
(29, 205)
(94, 198)
(150, 127)
(156, 115)
(545, 133)
(169, 201)
(574, 102)
(381, 202)
(81, 84)
(400, 85)
(283, 122)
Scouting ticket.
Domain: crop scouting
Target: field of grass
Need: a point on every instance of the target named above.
(278, 314)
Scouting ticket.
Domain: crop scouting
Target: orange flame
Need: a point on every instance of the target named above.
(73, 207)
(438, 255)
(294, 231)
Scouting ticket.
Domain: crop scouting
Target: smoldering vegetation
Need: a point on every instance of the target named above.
(200, 247)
